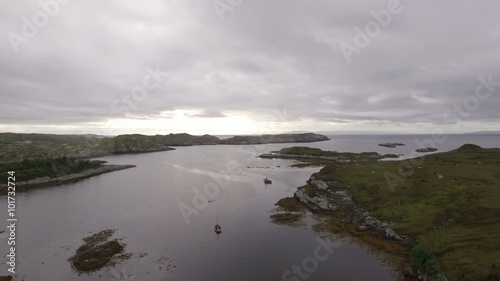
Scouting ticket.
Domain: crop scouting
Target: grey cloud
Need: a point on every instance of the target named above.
(265, 56)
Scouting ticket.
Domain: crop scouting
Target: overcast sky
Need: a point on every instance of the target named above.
(248, 66)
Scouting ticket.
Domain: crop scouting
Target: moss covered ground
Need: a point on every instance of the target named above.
(449, 201)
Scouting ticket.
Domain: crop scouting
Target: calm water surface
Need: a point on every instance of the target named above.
(143, 204)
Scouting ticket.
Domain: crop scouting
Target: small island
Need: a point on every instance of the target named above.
(391, 144)
(426, 150)
(98, 251)
(315, 156)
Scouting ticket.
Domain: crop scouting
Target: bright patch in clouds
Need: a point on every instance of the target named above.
(180, 121)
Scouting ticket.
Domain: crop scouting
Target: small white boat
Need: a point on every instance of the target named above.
(218, 229)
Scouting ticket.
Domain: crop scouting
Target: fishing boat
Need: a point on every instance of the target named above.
(218, 229)
(267, 181)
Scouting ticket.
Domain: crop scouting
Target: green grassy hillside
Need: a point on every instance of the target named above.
(449, 201)
(52, 168)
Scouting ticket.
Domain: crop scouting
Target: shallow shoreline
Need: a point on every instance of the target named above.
(72, 178)
(331, 202)
(346, 218)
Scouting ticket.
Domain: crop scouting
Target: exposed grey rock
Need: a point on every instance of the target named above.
(351, 213)
(319, 184)
(343, 195)
(389, 233)
(363, 227)
(315, 203)
(369, 221)
(324, 205)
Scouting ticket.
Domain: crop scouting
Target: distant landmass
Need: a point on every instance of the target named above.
(345, 132)
(483, 133)
(351, 132)
(48, 159)
(15, 147)
(280, 138)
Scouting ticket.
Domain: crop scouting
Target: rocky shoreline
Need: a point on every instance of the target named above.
(46, 181)
(340, 201)
(331, 200)
(444, 208)
(320, 199)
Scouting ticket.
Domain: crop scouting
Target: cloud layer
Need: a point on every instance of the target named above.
(252, 63)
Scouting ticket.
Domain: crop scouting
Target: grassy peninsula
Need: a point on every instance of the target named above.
(443, 209)
(40, 172)
(29, 169)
